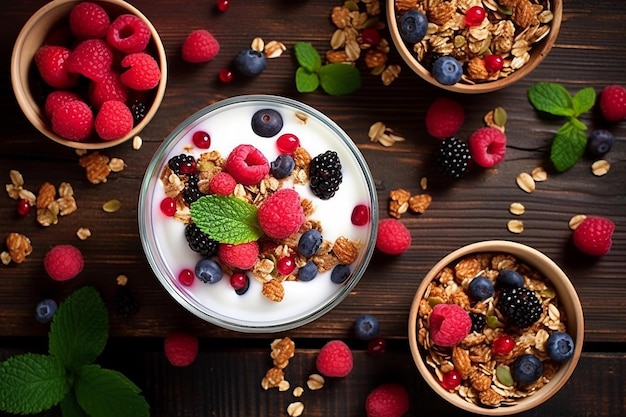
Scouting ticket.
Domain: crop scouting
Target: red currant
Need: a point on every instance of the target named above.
(360, 215)
(287, 143)
(286, 265)
(168, 206)
(474, 16)
(201, 139)
(451, 379)
(493, 63)
(503, 345)
(23, 207)
(370, 36)
(186, 277)
(226, 75)
(377, 346)
(238, 280)
(188, 167)
(223, 5)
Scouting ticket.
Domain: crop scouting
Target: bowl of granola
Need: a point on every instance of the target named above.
(258, 214)
(474, 47)
(100, 63)
(496, 328)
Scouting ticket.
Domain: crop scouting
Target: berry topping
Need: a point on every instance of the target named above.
(510, 278)
(481, 288)
(240, 283)
(57, 99)
(444, 118)
(45, 309)
(88, 20)
(267, 122)
(393, 238)
(186, 277)
(223, 5)
(225, 75)
(282, 166)
(594, 236)
(474, 16)
(334, 359)
(487, 146)
(191, 192)
(168, 206)
(208, 271)
(73, 121)
(600, 142)
(366, 326)
(182, 164)
(325, 174)
(503, 344)
(370, 36)
(287, 143)
(451, 379)
(308, 271)
(23, 207)
(200, 46)
(110, 88)
(412, 26)
(340, 273)
(449, 324)
(201, 139)
(560, 346)
(613, 103)
(360, 215)
(128, 34)
(310, 242)
(387, 400)
(222, 183)
(181, 349)
(377, 346)
(527, 368)
(447, 70)
(242, 256)
(114, 120)
(520, 306)
(51, 63)
(63, 262)
(142, 72)
(281, 214)
(199, 241)
(250, 62)
(453, 157)
(92, 58)
(479, 321)
(247, 165)
(493, 63)
(285, 265)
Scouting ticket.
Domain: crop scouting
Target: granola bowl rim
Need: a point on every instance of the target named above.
(32, 35)
(537, 55)
(567, 296)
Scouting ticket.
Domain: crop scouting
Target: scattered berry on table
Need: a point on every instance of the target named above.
(519, 306)
(208, 271)
(45, 309)
(370, 36)
(182, 164)
(493, 63)
(387, 400)
(447, 70)
(510, 278)
(613, 103)
(92, 58)
(527, 368)
(267, 122)
(139, 109)
(393, 238)
(222, 183)
(480, 288)
(334, 359)
(63, 262)
(360, 215)
(225, 75)
(88, 20)
(325, 174)
(503, 344)
(453, 157)
(125, 302)
(287, 143)
(247, 164)
(57, 99)
(340, 273)
(242, 256)
(366, 326)
(594, 236)
(250, 62)
(412, 26)
(200, 46)
(186, 277)
(201, 139)
(199, 241)
(168, 206)
(487, 146)
(449, 324)
(240, 282)
(281, 214)
(114, 120)
(223, 5)
(475, 15)
(479, 321)
(285, 265)
(142, 71)
(181, 349)
(600, 141)
(377, 346)
(282, 166)
(560, 346)
(110, 88)
(128, 34)
(444, 117)
(308, 271)
(23, 207)
(51, 62)
(451, 379)
(73, 121)
(310, 242)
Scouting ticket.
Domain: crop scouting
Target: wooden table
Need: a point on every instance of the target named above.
(225, 379)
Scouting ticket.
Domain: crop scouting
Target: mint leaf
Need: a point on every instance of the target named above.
(339, 79)
(307, 56)
(32, 383)
(79, 328)
(568, 147)
(306, 81)
(551, 98)
(70, 407)
(583, 100)
(107, 393)
(226, 219)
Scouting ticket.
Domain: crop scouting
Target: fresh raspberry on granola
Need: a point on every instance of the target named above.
(242, 256)
(281, 214)
(114, 120)
(247, 164)
(387, 400)
(449, 324)
(92, 58)
(88, 20)
(200, 46)
(444, 118)
(222, 183)
(63, 262)
(393, 238)
(594, 236)
(142, 71)
(181, 348)
(334, 359)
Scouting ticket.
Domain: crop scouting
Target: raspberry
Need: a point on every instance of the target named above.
(92, 58)
(114, 120)
(57, 99)
(63, 262)
(444, 118)
(487, 146)
(242, 256)
(110, 88)
(594, 236)
(128, 34)
(449, 324)
(51, 62)
(73, 121)
(89, 21)
(613, 103)
(281, 214)
(393, 237)
(143, 72)
(200, 46)
(334, 359)
(222, 183)
(387, 400)
(181, 348)
(247, 165)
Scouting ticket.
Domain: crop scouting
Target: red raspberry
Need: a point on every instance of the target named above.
(181, 348)
(247, 165)
(393, 237)
(63, 262)
(222, 183)
(487, 146)
(200, 46)
(334, 359)
(114, 120)
(57, 99)
(387, 400)
(594, 236)
(52, 64)
(89, 21)
(110, 88)
(281, 214)
(444, 118)
(613, 103)
(449, 324)
(128, 34)
(242, 256)
(143, 72)
(92, 58)
(73, 121)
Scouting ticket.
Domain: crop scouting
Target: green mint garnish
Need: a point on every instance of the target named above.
(335, 79)
(570, 140)
(226, 219)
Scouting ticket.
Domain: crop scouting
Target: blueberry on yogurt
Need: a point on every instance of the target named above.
(208, 271)
(267, 122)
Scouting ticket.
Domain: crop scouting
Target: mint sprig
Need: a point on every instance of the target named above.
(570, 140)
(336, 79)
(32, 383)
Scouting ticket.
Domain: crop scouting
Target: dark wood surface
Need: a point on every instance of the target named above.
(225, 381)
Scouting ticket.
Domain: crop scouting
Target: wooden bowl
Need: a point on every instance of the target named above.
(538, 52)
(27, 86)
(567, 299)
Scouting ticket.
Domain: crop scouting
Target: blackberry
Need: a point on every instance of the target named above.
(520, 306)
(429, 58)
(138, 110)
(199, 241)
(479, 321)
(453, 157)
(125, 303)
(191, 192)
(182, 164)
(325, 174)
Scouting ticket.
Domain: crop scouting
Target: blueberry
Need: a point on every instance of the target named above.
(208, 271)
(250, 62)
(45, 310)
(267, 122)
(307, 272)
(282, 166)
(481, 288)
(366, 327)
(510, 278)
(412, 26)
(447, 70)
(600, 142)
(309, 242)
(527, 368)
(340, 273)
(560, 346)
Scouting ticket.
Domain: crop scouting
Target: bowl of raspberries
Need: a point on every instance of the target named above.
(496, 328)
(89, 74)
(474, 48)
